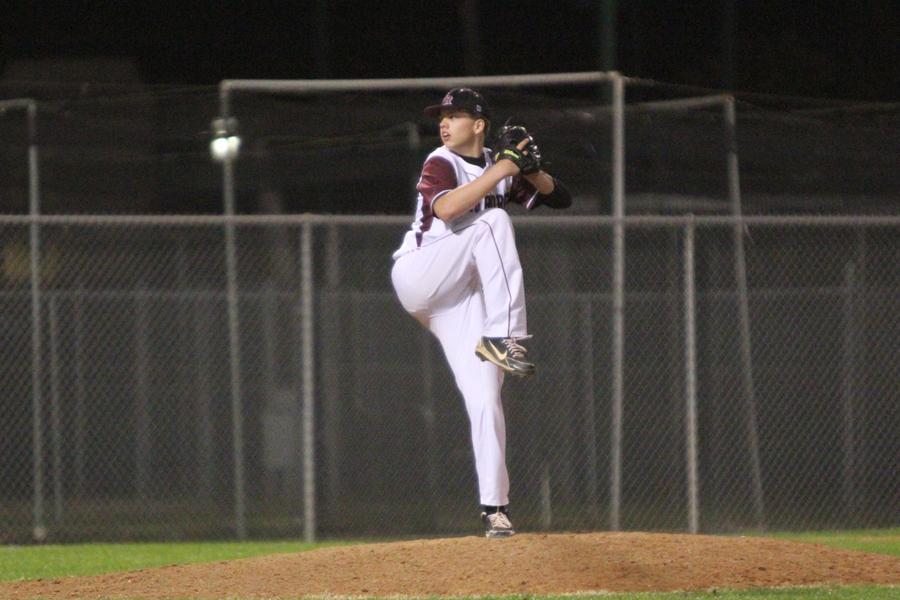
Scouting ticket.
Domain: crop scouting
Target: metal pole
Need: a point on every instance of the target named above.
(234, 338)
(55, 412)
(309, 459)
(523, 221)
(618, 295)
(234, 352)
(309, 86)
(39, 530)
(740, 269)
(690, 380)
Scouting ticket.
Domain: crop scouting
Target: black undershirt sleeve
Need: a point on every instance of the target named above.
(558, 198)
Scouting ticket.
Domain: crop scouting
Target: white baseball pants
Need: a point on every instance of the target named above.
(463, 286)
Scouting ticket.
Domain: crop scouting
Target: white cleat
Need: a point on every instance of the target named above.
(497, 525)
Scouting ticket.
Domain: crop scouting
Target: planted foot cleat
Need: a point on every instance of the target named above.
(497, 525)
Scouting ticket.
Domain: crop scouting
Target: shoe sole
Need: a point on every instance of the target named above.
(498, 534)
(482, 353)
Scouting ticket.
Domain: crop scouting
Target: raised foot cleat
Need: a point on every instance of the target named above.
(506, 353)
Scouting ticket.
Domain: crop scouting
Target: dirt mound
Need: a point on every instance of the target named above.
(526, 563)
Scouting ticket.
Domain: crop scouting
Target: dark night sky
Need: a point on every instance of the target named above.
(834, 49)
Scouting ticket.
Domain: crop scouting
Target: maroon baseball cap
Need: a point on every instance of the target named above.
(465, 99)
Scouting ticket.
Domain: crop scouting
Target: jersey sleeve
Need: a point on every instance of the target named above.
(522, 192)
(438, 178)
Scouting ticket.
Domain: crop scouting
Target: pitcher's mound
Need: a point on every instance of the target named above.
(524, 564)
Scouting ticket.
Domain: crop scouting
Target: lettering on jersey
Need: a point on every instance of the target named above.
(493, 201)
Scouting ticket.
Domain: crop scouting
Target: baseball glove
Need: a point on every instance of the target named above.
(528, 158)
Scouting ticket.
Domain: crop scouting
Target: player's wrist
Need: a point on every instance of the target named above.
(507, 166)
(542, 182)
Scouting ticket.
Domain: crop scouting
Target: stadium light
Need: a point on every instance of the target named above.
(225, 143)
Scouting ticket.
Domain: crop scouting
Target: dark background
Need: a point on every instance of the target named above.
(833, 49)
(807, 76)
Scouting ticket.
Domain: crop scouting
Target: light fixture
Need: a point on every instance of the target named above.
(225, 141)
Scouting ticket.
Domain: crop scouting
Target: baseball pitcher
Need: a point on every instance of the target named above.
(457, 271)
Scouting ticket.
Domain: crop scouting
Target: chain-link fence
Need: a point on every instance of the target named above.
(164, 382)
(140, 427)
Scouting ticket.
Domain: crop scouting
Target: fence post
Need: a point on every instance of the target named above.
(740, 273)
(309, 446)
(39, 528)
(618, 299)
(234, 339)
(690, 380)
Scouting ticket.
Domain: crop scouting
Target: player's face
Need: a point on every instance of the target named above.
(459, 129)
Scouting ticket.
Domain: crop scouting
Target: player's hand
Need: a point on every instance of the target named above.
(515, 144)
(521, 156)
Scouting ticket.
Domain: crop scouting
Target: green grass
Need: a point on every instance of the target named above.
(838, 593)
(30, 562)
(52, 561)
(842, 593)
(880, 541)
